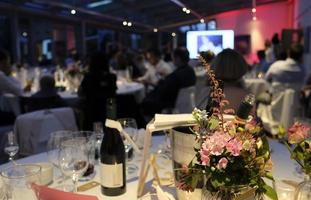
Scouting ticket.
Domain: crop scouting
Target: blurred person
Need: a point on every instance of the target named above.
(157, 68)
(46, 98)
(165, 93)
(262, 66)
(229, 67)
(290, 70)
(47, 88)
(208, 56)
(98, 85)
(8, 84)
(270, 57)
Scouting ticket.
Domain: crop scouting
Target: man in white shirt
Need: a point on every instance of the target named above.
(157, 68)
(288, 71)
(7, 85)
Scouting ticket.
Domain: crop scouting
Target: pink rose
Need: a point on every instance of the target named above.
(234, 146)
(297, 133)
(205, 160)
(222, 164)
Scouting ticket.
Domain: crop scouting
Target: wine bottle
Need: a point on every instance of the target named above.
(245, 109)
(112, 157)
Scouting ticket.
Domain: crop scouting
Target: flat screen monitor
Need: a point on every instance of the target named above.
(213, 40)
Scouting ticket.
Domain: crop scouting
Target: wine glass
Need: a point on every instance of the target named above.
(90, 139)
(99, 134)
(129, 125)
(53, 147)
(73, 158)
(11, 148)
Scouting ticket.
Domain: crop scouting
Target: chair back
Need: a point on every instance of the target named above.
(33, 129)
(281, 111)
(185, 101)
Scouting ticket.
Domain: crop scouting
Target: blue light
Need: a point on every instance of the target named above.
(99, 3)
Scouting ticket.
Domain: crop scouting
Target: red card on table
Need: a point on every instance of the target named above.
(45, 193)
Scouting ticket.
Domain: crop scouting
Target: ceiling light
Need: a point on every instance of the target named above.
(253, 10)
(202, 20)
(25, 34)
(73, 11)
(124, 23)
(173, 34)
(99, 3)
(155, 30)
(129, 23)
(188, 11)
(254, 18)
(184, 9)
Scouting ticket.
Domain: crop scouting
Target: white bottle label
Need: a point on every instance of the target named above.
(111, 176)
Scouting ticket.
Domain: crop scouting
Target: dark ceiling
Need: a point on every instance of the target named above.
(144, 14)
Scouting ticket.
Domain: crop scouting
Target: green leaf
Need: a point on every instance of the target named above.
(270, 192)
(269, 176)
(213, 123)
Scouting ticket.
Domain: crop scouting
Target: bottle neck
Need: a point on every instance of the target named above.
(111, 109)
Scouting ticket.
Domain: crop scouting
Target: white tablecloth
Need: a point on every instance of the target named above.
(124, 88)
(283, 169)
(132, 181)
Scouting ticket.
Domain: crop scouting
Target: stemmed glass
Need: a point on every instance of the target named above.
(90, 139)
(129, 125)
(53, 147)
(99, 134)
(11, 148)
(73, 158)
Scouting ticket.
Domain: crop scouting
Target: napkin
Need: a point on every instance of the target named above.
(45, 193)
(167, 121)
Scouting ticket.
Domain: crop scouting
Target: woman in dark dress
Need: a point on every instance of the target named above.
(98, 85)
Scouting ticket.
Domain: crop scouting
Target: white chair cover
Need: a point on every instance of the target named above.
(185, 101)
(33, 129)
(281, 111)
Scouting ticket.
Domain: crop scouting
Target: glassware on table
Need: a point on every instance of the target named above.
(53, 148)
(73, 158)
(90, 138)
(284, 189)
(99, 134)
(17, 180)
(129, 125)
(11, 147)
(303, 191)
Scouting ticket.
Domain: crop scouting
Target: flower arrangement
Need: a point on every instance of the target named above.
(297, 136)
(230, 154)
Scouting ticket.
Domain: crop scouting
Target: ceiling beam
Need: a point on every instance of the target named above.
(89, 12)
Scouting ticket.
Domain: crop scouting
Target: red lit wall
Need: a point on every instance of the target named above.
(271, 18)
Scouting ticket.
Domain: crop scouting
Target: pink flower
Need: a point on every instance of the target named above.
(222, 164)
(297, 133)
(205, 160)
(234, 146)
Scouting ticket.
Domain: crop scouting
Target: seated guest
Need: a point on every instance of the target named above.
(165, 93)
(157, 68)
(263, 65)
(46, 98)
(98, 85)
(47, 88)
(229, 67)
(288, 71)
(8, 84)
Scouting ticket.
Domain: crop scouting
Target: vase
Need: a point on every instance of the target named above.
(183, 143)
(231, 193)
(303, 191)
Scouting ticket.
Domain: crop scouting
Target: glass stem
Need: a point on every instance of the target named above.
(74, 180)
